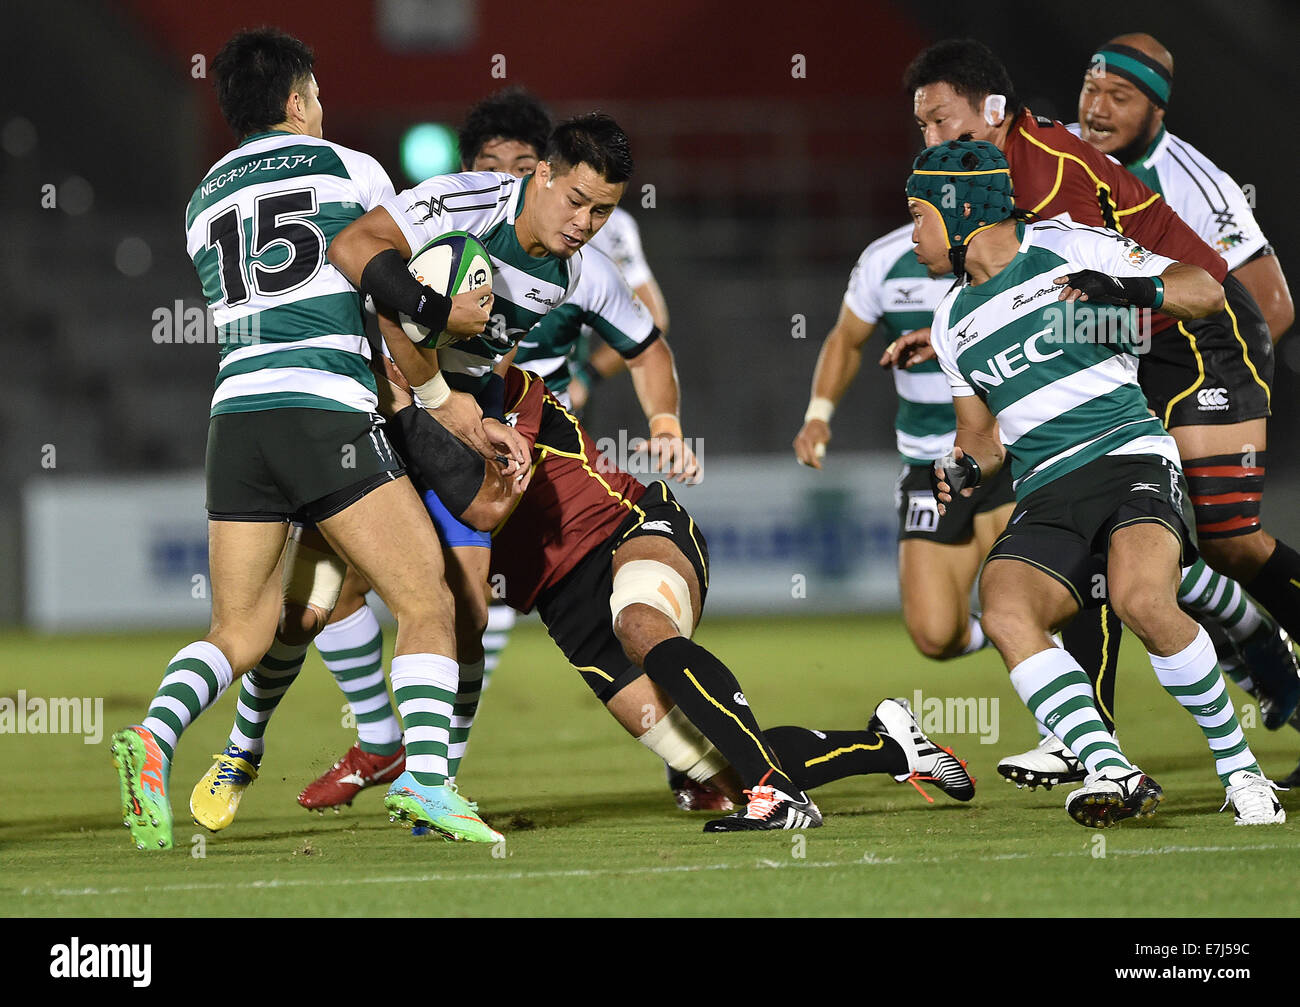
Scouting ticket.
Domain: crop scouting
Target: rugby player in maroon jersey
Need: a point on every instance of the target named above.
(618, 572)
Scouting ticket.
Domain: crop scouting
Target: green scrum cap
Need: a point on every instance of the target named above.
(968, 184)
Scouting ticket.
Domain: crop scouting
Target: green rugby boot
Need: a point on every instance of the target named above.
(142, 773)
(441, 808)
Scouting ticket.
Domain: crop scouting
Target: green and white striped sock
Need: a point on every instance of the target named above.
(462, 718)
(195, 679)
(260, 692)
(353, 651)
(1209, 596)
(1192, 677)
(1058, 693)
(425, 687)
(501, 620)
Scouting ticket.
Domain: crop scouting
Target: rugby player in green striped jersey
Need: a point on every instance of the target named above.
(1043, 371)
(294, 434)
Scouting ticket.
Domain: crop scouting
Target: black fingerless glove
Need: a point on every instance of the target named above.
(1125, 291)
(959, 473)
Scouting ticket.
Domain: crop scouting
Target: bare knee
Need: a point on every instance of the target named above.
(1010, 629)
(640, 628)
(939, 642)
(300, 623)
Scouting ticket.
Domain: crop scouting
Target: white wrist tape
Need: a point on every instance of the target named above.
(680, 744)
(312, 577)
(434, 392)
(649, 582)
(820, 409)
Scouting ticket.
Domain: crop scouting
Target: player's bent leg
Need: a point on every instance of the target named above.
(1144, 573)
(388, 537)
(1022, 603)
(244, 565)
(352, 649)
(655, 604)
(312, 579)
(935, 580)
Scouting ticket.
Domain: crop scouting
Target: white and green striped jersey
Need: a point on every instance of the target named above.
(620, 239)
(1061, 378)
(257, 228)
(486, 204)
(891, 290)
(603, 302)
(1203, 194)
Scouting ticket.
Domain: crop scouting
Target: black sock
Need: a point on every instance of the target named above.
(1092, 639)
(707, 693)
(1277, 587)
(812, 758)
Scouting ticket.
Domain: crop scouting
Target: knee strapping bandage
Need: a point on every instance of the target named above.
(649, 582)
(312, 577)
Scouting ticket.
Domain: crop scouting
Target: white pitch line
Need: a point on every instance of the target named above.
(868, 860)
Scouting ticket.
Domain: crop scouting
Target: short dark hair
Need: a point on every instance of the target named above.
(595, 140)
(966, 65)
(254, 74)
(512, 114)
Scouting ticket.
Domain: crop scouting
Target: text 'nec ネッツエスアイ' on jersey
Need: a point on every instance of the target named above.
(891, 290)
(1202, 194)
(486, 205)
(1060, 377)
(257, 228)
(576, 500)
(603, 302)
(1055, 174)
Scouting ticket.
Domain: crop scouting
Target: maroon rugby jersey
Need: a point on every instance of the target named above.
(1053, 172)
(574, 503)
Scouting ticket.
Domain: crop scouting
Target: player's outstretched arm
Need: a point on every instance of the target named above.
(1182, 290)
(654, 376)
(838, 364)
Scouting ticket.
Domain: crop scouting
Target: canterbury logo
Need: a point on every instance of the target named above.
(740, 698)
(662, 526)
(1212, 398)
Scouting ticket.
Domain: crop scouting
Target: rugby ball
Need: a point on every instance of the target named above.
(451, 264)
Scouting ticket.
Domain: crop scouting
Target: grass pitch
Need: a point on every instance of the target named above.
(589, 822)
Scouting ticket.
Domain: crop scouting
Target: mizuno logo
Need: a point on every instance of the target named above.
(1144, 487)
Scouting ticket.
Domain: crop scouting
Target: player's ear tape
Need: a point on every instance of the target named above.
(959, 473)
(449, 468)
(312, 577)
(680, 744)
(995, 108)
(649, 582)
